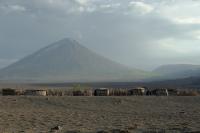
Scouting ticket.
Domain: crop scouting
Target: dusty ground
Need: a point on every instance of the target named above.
(90, 114)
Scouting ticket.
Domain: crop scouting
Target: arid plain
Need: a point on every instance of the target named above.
(91, 114)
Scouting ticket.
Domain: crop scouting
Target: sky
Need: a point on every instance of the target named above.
(138, 33)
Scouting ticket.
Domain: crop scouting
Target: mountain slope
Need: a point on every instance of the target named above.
(175, 71)
(67, 60)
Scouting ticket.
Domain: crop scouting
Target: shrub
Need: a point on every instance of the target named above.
(188, 93)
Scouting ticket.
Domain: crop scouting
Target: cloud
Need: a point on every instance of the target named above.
(82, 2)
(113, 5)
(17, 8)
(12, 8)
(140, 7)
(180, 11)
(186, 20)
(196, 34)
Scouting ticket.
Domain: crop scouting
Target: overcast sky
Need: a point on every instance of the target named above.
(138, 33)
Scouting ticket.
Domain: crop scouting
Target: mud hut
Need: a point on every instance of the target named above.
(101, 92)
(8, 92)
(36, 92)
(140, 91)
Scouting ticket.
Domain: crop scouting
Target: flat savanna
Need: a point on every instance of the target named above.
(90, 114)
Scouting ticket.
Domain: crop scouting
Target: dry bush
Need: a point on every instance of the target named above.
(82, 92)
(78, 93)
(55, 92)
(188, 93)
(79, 90)
(19, 92)
(75, 91)
(68, 92)
(118, 92)
(88, 92)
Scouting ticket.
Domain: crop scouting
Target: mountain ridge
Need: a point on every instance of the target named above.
(177, 71)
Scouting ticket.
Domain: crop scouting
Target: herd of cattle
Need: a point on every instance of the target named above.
(139, 91)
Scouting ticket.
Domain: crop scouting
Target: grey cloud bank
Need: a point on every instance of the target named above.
(138, 33)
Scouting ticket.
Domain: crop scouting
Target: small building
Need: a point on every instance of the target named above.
(101, 92)
(140, 91)
(36, 92)
(8, 92)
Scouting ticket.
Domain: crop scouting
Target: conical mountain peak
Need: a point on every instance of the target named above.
(66, 43)
(67, 60)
